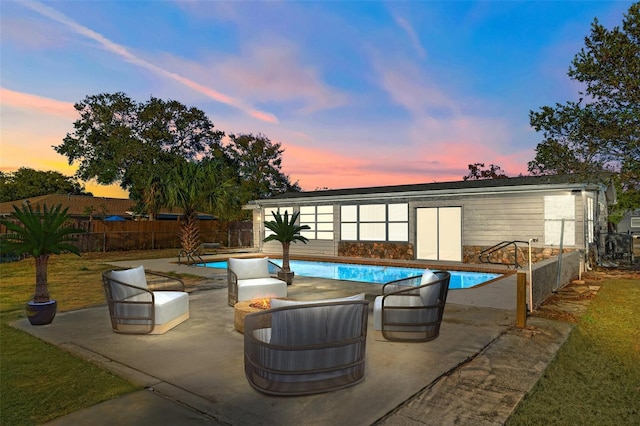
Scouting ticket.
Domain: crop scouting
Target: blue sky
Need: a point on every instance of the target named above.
(358, 93)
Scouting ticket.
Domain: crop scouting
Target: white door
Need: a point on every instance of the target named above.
(439, 233)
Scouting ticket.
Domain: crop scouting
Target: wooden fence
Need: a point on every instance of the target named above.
(154, 235)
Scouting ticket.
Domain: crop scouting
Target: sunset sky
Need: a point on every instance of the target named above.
(358, 93)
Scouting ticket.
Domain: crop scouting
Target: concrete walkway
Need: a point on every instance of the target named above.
(476, 372)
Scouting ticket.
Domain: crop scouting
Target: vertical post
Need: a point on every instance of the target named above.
(521, 300)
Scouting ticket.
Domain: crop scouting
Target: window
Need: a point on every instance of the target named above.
(375, 222)
(559, 213)
(268, 216)
(590, 219)
(319, 219)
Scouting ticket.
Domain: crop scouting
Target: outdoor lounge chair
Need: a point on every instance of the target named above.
(301, 348)
(142, 302)
(411, 309)
(253, 278)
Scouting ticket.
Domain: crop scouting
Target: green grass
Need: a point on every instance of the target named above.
(595, 377)
(38, 381)
(41, 382)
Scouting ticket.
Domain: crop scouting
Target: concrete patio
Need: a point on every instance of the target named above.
(194, 374)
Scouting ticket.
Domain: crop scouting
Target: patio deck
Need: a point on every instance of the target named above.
(198, 366)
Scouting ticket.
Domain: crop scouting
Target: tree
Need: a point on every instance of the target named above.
(286, 231)
(600, 134)
(476, 172)
(193, 187)
(259, 165)
(40, 233)
(118, 140)
(26, 183)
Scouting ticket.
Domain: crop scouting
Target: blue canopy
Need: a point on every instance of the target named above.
(114, 219)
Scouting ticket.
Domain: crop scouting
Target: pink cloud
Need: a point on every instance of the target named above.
(272, 71)
(34, 103)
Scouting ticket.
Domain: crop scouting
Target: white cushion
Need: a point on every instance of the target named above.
(392, 300)
(168, 305)
(250, 268)
(431, 293)
(133, 276)
(261, 288)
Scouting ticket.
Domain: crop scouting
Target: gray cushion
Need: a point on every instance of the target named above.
(315, 325)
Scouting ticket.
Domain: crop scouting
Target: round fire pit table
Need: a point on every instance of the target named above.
(241, 309)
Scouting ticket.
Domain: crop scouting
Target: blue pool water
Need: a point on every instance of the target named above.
(373, 274)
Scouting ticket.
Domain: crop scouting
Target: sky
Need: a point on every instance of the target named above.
(359, 94)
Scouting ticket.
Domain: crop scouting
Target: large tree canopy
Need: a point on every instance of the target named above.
(600, 133)
(27, 183)
(259, 166)
(118, 140)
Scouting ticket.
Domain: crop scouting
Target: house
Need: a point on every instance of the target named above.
(80, 206)
(84, 207)
(444, 221)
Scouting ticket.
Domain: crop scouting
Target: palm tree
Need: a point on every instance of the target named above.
(193, 187)
(40, 234)
(286, 231)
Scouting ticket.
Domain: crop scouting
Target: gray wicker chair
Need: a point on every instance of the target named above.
(142, 302)
(411, 309)
(306, 348)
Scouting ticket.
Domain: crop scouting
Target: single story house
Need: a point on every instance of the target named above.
(445, 221)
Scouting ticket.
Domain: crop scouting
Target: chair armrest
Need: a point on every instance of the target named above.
(232, 287)
(274, 269)
(402, 285)
(161, 282)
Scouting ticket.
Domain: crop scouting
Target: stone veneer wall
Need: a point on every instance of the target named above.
(507, 255)
(377, 250)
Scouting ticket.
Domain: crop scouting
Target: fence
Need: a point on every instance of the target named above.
(155, 235)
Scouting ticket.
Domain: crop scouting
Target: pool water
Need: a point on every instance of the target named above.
(372, 274)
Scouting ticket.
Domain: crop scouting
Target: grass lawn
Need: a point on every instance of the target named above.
(38, 381)
(595, 377)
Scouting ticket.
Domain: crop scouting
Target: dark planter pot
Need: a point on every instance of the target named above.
(41, 313)
(286, 276)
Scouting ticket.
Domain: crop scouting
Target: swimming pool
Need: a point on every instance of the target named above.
(372, 274)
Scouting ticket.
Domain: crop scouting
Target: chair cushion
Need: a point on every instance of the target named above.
(431, 293)
(250, 268)
(261, 288)
(392, 300)
(315, 325)
(168, 305)
(133, 276)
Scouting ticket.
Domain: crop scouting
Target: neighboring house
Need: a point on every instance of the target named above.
(448, 221)
(80, 206)
(84, 207)
(630, 223)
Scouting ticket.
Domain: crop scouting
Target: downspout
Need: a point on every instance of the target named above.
(531, 276)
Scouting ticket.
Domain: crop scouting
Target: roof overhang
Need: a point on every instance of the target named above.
(408, 195)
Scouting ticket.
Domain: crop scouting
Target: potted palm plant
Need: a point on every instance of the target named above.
(40, 234)
(286, 231)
